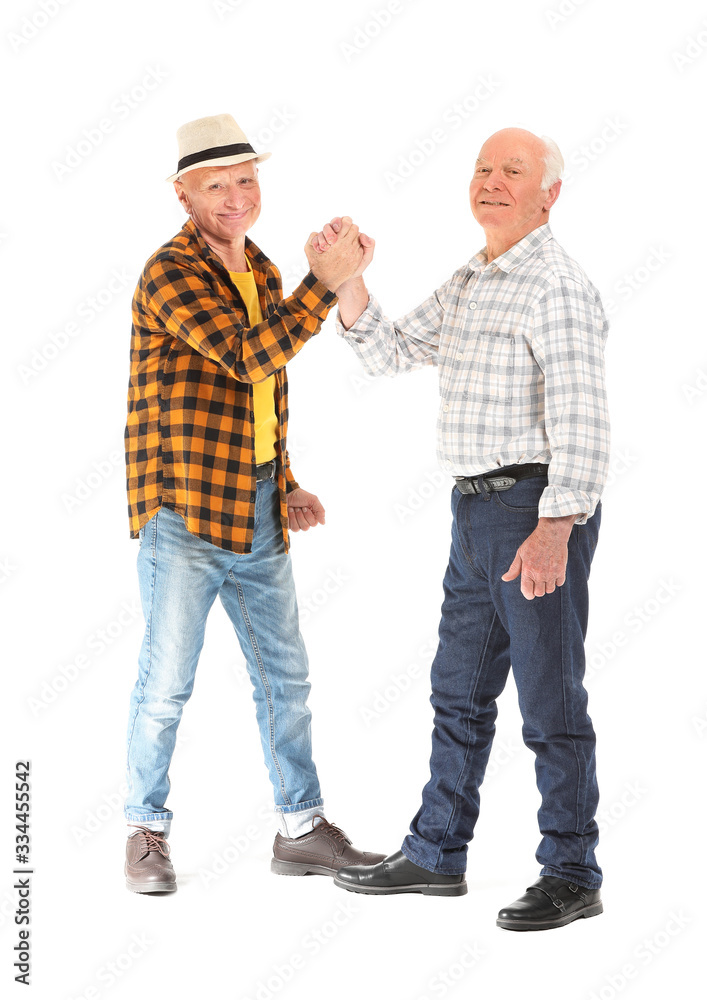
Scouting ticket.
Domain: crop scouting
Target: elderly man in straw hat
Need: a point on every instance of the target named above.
(211, 493)
(518, 335)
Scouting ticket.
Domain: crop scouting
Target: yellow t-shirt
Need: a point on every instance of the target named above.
(266, 427)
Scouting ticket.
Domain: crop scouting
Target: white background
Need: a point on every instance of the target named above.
(343, 95)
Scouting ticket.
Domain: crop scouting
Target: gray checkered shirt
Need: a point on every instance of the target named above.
(519, 346)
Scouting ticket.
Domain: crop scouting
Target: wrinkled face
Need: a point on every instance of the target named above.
(223, 201)
(505, 192)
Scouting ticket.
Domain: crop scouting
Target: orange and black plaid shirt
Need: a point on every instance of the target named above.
(190, 436)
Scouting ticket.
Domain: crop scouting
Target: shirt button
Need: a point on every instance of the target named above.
(472, 305)
(445, 407)
(459, 356)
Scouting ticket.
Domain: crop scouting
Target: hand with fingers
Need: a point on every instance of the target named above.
(328, 238)
(541, 560)
(304, 510)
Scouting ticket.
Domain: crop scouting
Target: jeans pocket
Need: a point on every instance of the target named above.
(523, 498)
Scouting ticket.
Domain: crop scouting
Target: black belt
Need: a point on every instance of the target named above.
(266, 470)
(500, 479)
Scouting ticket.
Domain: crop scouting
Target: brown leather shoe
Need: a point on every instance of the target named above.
(147, 864)
(324, 851)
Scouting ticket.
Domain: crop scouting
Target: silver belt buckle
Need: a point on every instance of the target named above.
(501, 482)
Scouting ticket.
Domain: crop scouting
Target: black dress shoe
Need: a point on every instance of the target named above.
(398, 874)
(550, 902)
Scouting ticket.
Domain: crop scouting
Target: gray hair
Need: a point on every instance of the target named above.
(553, 161)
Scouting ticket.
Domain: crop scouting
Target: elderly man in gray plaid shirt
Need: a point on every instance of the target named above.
(517, 334)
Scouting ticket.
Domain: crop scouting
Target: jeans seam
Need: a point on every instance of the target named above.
(468, 555)
(148, 639)
(580, 790)
(266, 687)
(470, 732)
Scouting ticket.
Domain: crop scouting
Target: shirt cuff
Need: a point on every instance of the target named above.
(314, 296)
(370, 315)
(556, 502)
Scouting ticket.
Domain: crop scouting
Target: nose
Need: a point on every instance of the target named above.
(236, 197)
(493, 180)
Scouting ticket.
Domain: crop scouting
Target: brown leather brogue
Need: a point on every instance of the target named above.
(324, 851)
(147, 864)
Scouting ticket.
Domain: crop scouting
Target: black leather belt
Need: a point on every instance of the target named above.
(500, 479)
(266, 470)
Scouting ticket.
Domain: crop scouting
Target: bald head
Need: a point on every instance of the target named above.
(515, 183)
(541, 147)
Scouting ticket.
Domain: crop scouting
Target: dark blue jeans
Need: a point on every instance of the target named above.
(488, 626)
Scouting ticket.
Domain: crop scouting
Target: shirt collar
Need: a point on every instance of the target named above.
(199, 246)
(514, 256)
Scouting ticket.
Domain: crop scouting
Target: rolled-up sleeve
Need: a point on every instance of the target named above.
(569, 334)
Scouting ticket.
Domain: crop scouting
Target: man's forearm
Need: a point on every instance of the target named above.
(353, 299)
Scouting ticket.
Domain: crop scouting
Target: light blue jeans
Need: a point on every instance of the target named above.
(180, 575)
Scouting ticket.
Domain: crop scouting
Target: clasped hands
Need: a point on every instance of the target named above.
(339, 252)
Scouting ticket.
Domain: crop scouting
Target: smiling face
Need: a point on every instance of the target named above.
(224, 202)
(505, 192)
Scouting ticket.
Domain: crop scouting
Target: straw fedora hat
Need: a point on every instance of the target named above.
(217, 141)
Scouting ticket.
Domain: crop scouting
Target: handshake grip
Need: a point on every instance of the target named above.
(339, 252)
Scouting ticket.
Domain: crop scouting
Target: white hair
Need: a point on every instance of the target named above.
(553, 163)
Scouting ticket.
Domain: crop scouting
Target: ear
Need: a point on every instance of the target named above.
(182, 196)
(553, 193)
